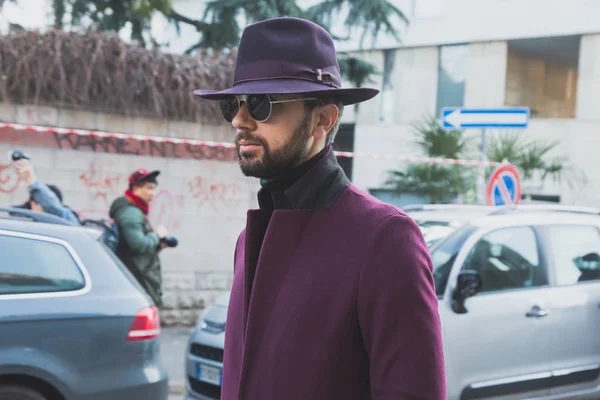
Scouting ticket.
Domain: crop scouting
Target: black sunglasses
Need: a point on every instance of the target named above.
(259, 106)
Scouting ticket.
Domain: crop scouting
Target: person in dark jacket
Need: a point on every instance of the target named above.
(139, 244)
(333, 295)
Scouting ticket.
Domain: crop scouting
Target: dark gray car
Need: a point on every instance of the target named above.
(74, 324)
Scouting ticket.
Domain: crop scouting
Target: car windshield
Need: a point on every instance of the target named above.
(434, 231)
(443, 254)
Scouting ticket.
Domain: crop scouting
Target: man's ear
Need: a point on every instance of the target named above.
(326, 117)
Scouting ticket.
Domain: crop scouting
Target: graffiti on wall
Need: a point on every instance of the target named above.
(143, 147)
(206, 191)
(9, 179)
(217, 195)
(163, 210)
(101, 185)
(117, 145)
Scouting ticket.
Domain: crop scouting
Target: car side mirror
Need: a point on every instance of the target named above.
(468, 284)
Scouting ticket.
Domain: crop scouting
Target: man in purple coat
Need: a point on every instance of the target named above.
(333, 294)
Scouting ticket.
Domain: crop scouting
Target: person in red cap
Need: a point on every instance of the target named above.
(139, 244)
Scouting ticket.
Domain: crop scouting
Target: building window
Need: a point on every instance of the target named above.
(541, 74)
(452, 76)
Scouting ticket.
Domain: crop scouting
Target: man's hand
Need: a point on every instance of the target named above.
(25, 170)
(162, 231)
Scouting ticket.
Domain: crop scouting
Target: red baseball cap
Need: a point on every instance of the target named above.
(142, 176)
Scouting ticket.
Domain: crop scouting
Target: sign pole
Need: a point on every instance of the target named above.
(481, 184)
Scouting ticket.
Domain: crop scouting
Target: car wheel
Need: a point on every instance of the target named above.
(19, 393)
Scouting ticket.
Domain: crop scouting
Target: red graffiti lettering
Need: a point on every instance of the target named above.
(9, 179)
(217, 195)
(162, 210)
(99, 183)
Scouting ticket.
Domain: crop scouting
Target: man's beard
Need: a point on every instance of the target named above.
(275, 162)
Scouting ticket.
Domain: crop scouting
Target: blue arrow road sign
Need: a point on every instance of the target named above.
(463, 118)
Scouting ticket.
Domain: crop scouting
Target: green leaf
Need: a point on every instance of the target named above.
(356, 70)
(437, 142)
(531, 157)
(369, 16)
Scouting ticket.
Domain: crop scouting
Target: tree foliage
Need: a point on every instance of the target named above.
(219, 27)
(98, 71)
(440, 183)
(533, 157)
(110, 15)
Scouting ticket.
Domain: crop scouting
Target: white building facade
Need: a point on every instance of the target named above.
(543, 54)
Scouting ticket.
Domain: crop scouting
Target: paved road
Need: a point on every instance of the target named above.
(172, 345)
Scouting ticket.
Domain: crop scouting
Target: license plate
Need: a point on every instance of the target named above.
(208, 374)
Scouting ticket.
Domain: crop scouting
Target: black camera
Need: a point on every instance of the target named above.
(17, 155)
(170, 241)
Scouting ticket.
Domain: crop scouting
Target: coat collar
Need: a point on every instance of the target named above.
(319, 183)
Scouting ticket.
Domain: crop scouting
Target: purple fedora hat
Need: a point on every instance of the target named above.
(288, 56)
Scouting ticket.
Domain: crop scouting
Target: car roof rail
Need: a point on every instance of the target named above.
(35, 216)
(443, 207)
(500, 210)
(546, 207)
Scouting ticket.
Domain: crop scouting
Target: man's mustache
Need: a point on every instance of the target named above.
(248, 137)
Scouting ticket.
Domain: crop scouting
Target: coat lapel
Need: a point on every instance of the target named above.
(256, 226)
(273, 258)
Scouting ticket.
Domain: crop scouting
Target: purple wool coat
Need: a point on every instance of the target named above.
(332, 299)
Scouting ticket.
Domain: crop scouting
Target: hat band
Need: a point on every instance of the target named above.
(273, 69)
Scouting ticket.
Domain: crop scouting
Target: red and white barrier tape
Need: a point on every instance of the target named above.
(158, 139)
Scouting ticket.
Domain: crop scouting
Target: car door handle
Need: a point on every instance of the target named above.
(536, 312)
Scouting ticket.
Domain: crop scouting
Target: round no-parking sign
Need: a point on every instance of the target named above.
(504, 186)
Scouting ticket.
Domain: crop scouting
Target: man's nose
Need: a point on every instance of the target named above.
(243, 120)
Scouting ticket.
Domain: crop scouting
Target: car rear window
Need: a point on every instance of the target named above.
(576, 251)
(34, 265)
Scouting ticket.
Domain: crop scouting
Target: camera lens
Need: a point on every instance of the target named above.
(170, 241)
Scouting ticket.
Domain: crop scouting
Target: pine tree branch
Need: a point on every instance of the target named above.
(199, 25)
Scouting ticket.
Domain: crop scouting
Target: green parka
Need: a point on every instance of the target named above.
(138, 246)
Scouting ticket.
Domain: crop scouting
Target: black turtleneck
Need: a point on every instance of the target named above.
(274, 196)
(313, 185)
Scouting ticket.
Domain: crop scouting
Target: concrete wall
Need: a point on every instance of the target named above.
(438, 22)
(588, 89)
(202, 202)
(414, 81)
(486, 75)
